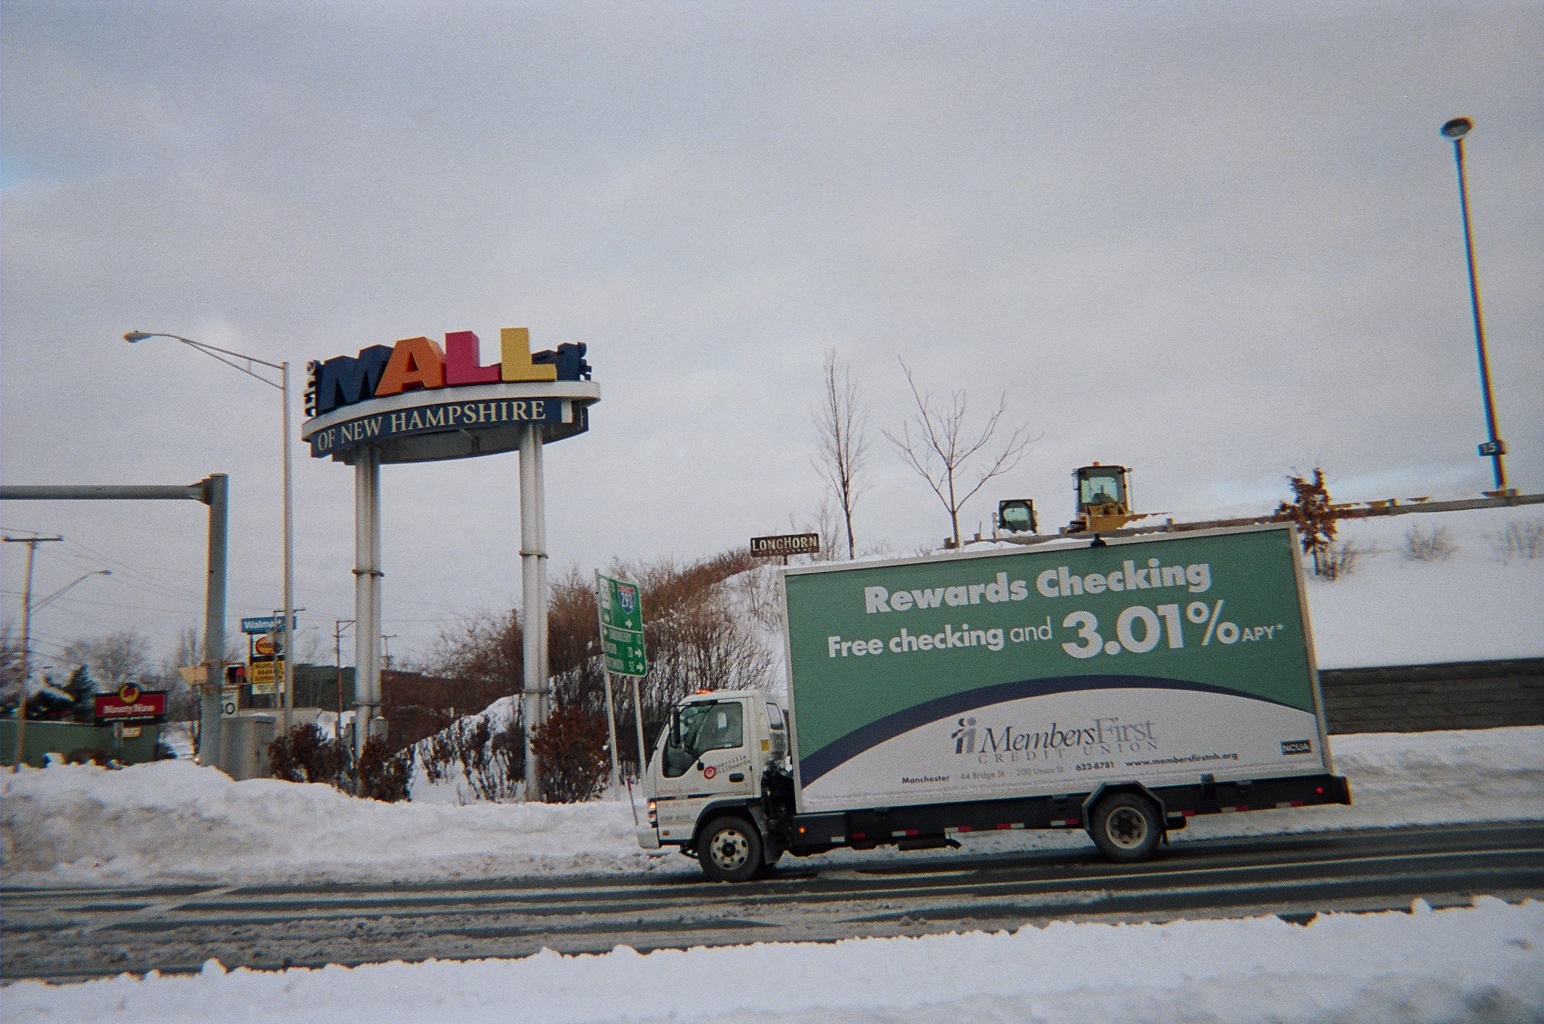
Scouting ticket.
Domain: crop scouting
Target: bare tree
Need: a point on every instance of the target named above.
(938, 443)
(843, 446)
(113, 659)
(825, 525)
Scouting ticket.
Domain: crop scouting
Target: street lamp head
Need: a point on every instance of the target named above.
(1457, 128)
(133, 336)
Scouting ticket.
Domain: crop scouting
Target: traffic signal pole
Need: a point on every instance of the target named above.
(214, 492)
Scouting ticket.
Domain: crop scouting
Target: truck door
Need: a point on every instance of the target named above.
(710, 762)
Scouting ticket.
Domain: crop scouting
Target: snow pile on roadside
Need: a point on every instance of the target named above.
(1479, 964)
(176, 821)
(1475, 603)
(172, 821)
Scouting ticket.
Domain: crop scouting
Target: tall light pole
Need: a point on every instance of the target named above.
(236, 360)
(1456, 129)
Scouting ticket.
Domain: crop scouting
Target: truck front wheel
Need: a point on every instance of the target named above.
(729, 850)
(1126, 827)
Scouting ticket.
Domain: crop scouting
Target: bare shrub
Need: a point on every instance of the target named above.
(1340, 560)
(571, 748)
(757, 593)
(1432, 544)
(490, 756)
(696, 634)
(1519, 542)
(309, 755)
(381, 775)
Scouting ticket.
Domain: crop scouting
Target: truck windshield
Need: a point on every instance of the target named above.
(704, 727)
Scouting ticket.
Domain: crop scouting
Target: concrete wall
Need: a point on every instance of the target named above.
(1419, 698)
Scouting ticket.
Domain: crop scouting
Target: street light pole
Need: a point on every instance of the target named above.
(1455, 130)
(235, 360)
(28, 607)
(289, 554)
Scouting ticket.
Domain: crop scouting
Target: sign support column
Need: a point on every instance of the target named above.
(367, 593)
(533, 580)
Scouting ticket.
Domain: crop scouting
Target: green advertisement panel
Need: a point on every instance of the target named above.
(1211, 623)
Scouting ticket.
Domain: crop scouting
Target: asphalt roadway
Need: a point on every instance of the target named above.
(69, 934)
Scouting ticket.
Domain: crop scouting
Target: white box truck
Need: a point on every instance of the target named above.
(1119, 687)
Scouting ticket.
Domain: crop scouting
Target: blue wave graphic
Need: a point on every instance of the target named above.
(845, 748)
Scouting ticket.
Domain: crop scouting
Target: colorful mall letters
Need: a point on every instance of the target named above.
(421, 364)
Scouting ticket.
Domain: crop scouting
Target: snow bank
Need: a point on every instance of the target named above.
(172, 821)
(1479, 964)
(176, 821)
(1394, 610)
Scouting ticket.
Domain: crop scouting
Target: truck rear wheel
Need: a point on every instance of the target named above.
(1126, 827)
(729, 850)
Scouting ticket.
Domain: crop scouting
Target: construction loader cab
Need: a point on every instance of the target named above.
(1102, 489)
(1103, 499)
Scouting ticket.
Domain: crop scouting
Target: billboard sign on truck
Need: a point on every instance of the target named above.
(1052, 670)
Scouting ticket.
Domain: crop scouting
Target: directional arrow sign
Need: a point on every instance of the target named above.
(621, 626)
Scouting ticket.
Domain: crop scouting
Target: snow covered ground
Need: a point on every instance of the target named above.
(1479, 964)
(174, 821)
(1479, 602)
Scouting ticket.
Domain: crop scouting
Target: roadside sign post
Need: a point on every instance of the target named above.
(622, 652)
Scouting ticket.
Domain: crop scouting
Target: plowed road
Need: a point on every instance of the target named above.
(64, 934)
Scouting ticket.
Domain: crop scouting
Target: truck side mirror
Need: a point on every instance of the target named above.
(675, 727)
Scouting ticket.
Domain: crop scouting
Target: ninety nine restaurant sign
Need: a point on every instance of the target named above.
(131, 705)
(417, 401)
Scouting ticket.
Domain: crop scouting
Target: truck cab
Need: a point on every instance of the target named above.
(709, 781)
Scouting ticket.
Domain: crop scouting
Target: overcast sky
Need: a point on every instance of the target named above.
(1215, 242)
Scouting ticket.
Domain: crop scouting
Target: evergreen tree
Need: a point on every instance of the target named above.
(83, 689)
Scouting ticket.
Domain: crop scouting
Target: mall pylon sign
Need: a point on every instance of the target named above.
(419, 401)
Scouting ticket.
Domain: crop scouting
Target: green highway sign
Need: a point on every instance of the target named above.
(621, 626)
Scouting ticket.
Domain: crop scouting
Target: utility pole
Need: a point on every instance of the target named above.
(338, 626)
(32, 543)
(386, 639)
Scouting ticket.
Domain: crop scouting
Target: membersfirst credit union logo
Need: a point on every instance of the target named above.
(421, 364)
